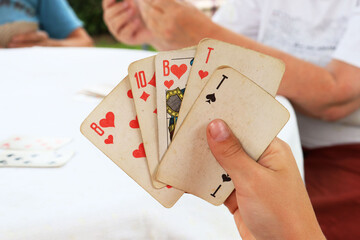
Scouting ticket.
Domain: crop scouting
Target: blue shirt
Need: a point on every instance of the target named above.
(55, 17)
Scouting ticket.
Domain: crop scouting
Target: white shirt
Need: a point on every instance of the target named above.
(313, 30)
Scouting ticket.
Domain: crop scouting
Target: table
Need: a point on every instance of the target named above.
(90, 197)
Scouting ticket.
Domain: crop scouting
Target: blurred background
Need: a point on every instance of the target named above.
(91, 14)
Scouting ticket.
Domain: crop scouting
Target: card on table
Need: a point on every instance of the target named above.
(254, 116)
(143, 87)
(12, 158)
(172, 72)
(109, 127)
(8, 30)
(33, 143)
(264, 70)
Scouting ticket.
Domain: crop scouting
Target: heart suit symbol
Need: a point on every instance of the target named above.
(203, 74)
(168, 84)
(139, 153)
(134, 123)
(109, 140)
(178, 71)
(129, 94)
(108, 121)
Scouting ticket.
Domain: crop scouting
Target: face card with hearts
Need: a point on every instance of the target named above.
(143, 85)
(11, 158)
(172, 72)
(264, 70)
(254, 116)
(108, 128)
(33, 143)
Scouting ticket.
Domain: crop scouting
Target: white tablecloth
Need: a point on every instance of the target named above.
(90, 197)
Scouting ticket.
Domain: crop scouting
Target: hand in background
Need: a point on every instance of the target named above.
(270, 200)
(30, 39)
(124, 22)
(77, 38)
(175, 24)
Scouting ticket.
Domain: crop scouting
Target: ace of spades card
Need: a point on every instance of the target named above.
(264, 70)
(172, 72)
(254, 116)
(109, 127)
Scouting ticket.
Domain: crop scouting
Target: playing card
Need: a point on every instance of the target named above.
(172, 72)
(110, 128)
(254, 116)
(8, 30)
(33, 143)
(143, 86)
(12, 158)
(264, 70)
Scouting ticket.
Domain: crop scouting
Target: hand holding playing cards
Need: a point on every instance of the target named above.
(144, 142)
(270, 200)
(30, 39)
(124, 22)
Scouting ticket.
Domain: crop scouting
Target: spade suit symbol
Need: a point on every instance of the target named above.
(226, 178)
(210, 98)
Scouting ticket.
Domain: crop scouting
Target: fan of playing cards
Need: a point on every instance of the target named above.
(153, 124)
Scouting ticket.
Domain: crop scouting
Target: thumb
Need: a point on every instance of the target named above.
(228, 151)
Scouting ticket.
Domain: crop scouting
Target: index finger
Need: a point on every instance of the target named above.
(281, 152)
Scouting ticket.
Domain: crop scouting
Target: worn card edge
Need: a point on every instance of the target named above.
(156, 183)
(280, 105)
(82, 128)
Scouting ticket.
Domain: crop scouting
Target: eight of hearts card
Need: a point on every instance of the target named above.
(254, 116)
(110, 127)
(172, 72)
(264, 70)
(143, 85)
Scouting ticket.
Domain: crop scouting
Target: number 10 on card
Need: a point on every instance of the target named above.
(140, 79)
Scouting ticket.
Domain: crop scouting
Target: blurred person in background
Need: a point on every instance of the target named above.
(319, 41)
(59, 25)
